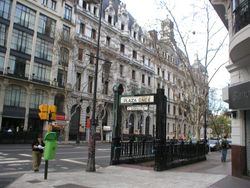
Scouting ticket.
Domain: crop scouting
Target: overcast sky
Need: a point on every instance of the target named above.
(147, 12)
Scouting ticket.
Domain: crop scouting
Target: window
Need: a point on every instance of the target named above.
(53, 5)
(158, 85)
(80, 54)
(149, 81)
(168, 76)
(2, 55)
(15, 96)
(95, 11)
(3, 34)
(168, 92)
(133, 74)
(18, 67)
(143, 78)
(25, 16)
(67, 12)
(44, 49)
(93, 34)
(45, 2)
(108, 41)
(168, 108)
(61, 77)
(149, 62)
(66, 33)
(110, 19)
(122, 48)
(134, 54)
(82, 28)
(38, 97)
(41, 72)
(163, 74)
(135, 34)
(105, 88)
(5, 8)
(84, 4)
(64, 56)
(78, 81)
(121, 70)
(122, 27)
(91, 58)
(158, 71)
(21, 41)
(143, 59)
(47, 26)
(90, 84)
(174, 110)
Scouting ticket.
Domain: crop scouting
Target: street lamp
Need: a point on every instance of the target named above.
(91, 144)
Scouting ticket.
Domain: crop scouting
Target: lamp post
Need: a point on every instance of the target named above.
(91, 144)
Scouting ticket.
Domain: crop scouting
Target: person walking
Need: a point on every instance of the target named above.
(37, 151)
(224, 146)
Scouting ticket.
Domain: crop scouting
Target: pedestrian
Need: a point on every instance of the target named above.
(224, 146)
(37, 151)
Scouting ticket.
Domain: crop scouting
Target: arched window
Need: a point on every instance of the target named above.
(38, 97)
(15, 96)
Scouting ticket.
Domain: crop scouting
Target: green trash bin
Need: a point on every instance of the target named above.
(50, 146)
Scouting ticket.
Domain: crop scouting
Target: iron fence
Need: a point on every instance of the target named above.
(166, 155)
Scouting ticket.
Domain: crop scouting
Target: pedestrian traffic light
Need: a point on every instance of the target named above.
(52, 112)
(43, 114)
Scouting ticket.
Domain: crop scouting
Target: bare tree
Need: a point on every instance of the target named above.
(193, 92)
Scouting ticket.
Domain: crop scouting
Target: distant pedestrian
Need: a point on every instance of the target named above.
(37, 151)
(224, 146)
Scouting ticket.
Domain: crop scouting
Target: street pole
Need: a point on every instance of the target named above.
(91, 144)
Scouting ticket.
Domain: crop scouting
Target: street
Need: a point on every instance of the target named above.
(16, 160)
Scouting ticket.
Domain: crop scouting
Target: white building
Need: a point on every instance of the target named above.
(235, 16)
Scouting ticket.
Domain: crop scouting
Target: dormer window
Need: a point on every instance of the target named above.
(122, 27)
(110, 19)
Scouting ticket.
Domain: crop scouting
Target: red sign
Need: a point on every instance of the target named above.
(60, 117)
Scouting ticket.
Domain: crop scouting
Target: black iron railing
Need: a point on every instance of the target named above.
(178, 154)
(241, 16)
(166, 155)
(132, 151)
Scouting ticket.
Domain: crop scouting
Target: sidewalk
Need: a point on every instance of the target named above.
(210, 173)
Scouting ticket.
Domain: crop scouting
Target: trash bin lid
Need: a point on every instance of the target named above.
(50, 136)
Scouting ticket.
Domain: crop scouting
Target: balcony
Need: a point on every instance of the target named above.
(240, 41)
(242, 16)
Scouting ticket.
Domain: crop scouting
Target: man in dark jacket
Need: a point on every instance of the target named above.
(224, 146)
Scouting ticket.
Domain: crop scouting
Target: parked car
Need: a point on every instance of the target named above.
(214, 145)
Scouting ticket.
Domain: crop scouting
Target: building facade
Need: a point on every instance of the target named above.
(30, 68)
(48, 55)
(235, 16)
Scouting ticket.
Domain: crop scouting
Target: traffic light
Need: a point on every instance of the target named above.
(52, 113)
(43, 114)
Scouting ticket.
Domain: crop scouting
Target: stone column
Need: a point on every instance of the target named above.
(27, 107)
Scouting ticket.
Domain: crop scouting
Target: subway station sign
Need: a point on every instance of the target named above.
(144, 99)
(137, 108)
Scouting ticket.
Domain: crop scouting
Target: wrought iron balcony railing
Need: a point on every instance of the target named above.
(241, 16)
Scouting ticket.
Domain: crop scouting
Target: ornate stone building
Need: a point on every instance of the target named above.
(47, 55)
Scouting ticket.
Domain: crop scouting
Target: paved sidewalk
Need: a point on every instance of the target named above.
(211, 173)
